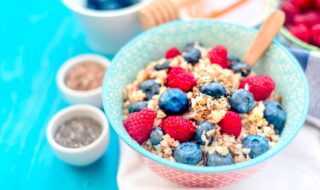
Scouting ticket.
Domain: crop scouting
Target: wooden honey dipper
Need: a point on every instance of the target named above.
(160, 11)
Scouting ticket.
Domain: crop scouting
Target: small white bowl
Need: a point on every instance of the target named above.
(108, 30)
(92, 97)
(85, 155)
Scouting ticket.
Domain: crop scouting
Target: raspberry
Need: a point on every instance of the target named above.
(300, 31)
(289, 10)
(219, 55)
(261, 86)
(231, 124)
(317, 4)
(172, 53)
(179, 78)
(178, 128)
(315, 30)
(303, 4)
(315, 33)
(139, 124)
(316, 40)
(221, 51)
(309, 18)
(215, 59)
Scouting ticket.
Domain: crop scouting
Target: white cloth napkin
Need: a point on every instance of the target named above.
(297, 167)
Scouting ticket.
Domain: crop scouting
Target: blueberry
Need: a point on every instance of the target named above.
(150, 88)
(191, 45)
(156, 136)
(188, 153)
(162, 66)
(192, 56)
(173, 101)
(257, 144)
(213, 89)
(203, 128)
(241, 67)
(92, 4)
(137, 106)
(275, 115)
(113, 5)
(233, 58)
(217, 159)
(128, 2)
(105, 4)
(241, 101)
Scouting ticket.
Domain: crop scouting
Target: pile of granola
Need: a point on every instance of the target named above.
(202, 107)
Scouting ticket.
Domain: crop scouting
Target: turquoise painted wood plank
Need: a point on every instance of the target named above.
(36, 37)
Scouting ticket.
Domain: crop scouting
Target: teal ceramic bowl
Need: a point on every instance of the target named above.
(277, 62)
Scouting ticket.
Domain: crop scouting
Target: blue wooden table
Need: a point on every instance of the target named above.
(36, 37)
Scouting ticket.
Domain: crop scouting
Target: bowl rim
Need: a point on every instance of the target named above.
(191, 168)
(105, 13)
(285, 32)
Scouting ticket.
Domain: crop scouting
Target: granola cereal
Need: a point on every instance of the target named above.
(223, 115)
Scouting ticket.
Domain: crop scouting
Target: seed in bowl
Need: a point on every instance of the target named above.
(85, 76)
(110, 4)
(77, 132)
(203, 107)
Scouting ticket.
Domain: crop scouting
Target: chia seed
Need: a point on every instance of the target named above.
(78, 132)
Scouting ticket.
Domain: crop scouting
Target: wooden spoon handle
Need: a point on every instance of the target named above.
(263, 39)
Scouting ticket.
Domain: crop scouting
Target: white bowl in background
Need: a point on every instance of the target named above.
(84, 155)
(92, 97)
(250, 13)
(107, 31)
